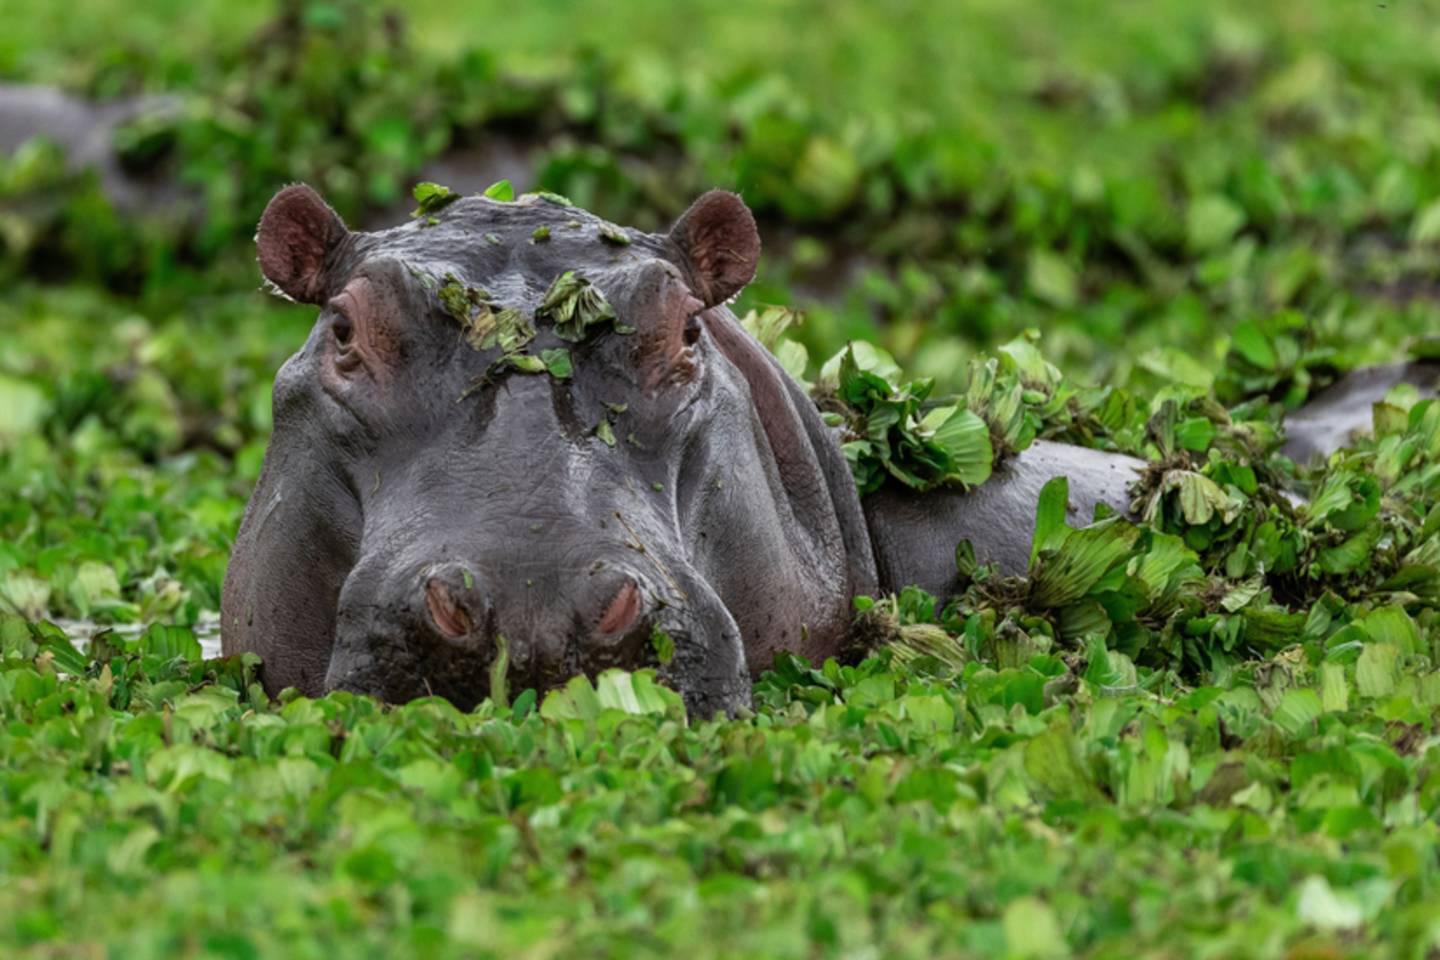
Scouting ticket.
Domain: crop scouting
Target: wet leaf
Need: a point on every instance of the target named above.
(500, 190)
(574, 305)
(432, 198)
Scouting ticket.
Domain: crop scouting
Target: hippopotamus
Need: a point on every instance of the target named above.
(518, 430)
(1335, 415)
(85, 131)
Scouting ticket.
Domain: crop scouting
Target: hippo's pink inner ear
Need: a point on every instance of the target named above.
(718, 237)
(297, 232)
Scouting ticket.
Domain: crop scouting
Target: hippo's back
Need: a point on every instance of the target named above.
(1334, 416)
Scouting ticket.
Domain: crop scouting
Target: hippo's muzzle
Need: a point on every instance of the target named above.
(439, 629)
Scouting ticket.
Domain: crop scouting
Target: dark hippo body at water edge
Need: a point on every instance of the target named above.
(418, 503)
(426, 503)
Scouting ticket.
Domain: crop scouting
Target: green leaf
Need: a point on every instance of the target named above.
(23, 407)
(1322, 908)
(548, 197)
(1393, 627)
(1195, 433)
(557, 361)
(432, 198)
(966, 438)
(574, 305)
(663, 645)
(1200, 498)
(169, 642)
(1032, 931)
(605, 433)
(1250, 341)
(1050, 514)
(500, 190)
(614, 235)
(524, 362)
(1053, 761)
(1212, 221)
(499, 671)
(1426, 227)
(1080, 561)
(1297, 711)
(1376, 670)
(1334, 688)
(1052, 279)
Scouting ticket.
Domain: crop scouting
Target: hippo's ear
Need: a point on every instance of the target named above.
(297, 233)
(718, 237)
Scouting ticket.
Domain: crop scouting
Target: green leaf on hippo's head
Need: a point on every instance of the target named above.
(605, 433)
(455, 299)
(574, 305)
(614, 235)
(965, 563)
(541, 234)
(557, 361)
(500, 190)
(432, 197)
(524, 362)
(549, 197)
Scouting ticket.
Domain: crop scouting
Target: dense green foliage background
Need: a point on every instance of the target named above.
(1210, 733)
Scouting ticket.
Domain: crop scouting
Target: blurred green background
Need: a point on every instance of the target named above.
(1175, 195)
(1133, 180)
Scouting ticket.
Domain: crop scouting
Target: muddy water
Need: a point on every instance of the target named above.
(207, 631)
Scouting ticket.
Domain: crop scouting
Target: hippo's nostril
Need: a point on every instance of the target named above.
(623, 611)
(448, 616)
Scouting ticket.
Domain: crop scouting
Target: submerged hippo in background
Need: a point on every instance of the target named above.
(85, 131)
(417, 503)
(1335, 415)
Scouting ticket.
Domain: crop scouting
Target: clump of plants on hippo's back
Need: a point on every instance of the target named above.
(888, 436)
(895, 431)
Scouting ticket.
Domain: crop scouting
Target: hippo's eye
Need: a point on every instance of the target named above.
(342, 330)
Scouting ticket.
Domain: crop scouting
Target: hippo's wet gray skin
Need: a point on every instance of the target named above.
(406, 519)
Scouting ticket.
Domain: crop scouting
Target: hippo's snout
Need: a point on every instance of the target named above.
(438, 630)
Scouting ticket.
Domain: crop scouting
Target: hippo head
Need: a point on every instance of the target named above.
(517, 426)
